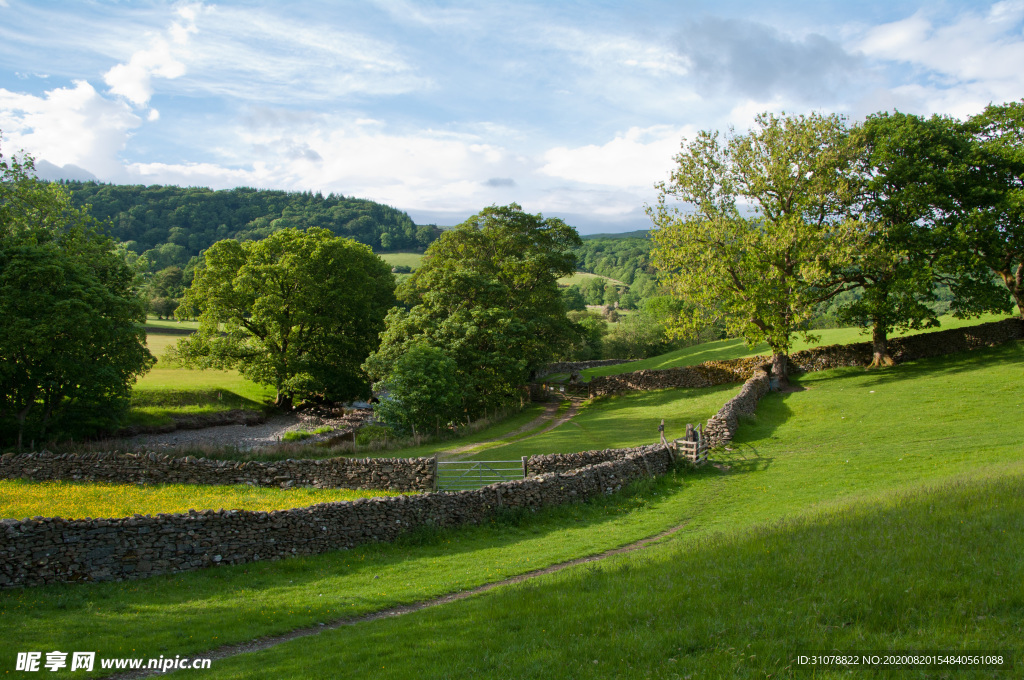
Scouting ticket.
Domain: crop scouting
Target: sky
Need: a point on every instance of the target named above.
(571, 109)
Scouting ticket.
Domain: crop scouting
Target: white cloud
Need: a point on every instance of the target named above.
(638, 158)
(133, 80)
(962, 64)
(74, 125)
(255, 55)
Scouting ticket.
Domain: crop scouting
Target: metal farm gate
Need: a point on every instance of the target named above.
(457, 475)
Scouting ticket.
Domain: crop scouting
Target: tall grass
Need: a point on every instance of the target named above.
(75, 500)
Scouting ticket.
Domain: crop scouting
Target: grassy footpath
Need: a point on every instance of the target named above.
(925, 423)
(737, 348)
(73, 500)
(936, 570)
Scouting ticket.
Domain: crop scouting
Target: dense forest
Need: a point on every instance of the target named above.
(168, 225)
(625, 259)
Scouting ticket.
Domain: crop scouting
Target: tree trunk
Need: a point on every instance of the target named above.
(22, 415)
(880, 347)
(780, 371)
(283, 400)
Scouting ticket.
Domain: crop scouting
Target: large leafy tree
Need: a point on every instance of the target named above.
(910, 171)
(421, 392)
(764, 227)
(487, 296)
(994, 230)
(72, 344)
(298, 310)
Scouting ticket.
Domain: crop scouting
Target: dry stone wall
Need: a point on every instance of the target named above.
(711, 373)
(911, 348)
(570, 366)
(563, 462)
(398, 474)
(707, 374)
(722, 426)
(50, 550)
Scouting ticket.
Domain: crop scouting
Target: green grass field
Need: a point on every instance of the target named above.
(154, 323)
(621, 421)
(580, 277)
(72, 500)
(737, 348)
(169, 390)
(411, 260)
(872, 510)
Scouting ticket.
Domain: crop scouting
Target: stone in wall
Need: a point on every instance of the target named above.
(51, 550)
(722, 426)
(570, 366)
(563, 462)
(397, 474)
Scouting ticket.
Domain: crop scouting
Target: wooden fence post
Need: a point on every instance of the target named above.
(664, 442)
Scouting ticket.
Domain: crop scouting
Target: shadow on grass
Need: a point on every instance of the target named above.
(183, 398)
(950, 364)
(814, 583)
(232, 601)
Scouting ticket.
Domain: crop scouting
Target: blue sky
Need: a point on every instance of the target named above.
(573, 109)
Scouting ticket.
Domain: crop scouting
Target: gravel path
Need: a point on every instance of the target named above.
(268, 433)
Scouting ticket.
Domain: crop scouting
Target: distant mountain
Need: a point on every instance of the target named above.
(52, 173)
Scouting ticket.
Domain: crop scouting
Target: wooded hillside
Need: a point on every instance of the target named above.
(170, 224)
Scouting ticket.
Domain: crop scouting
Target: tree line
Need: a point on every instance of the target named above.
(755, 231)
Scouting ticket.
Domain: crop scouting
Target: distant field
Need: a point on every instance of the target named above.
(169, 390)
(737, 348)
(153, 322)
(20, 498)
(412, 260)
(580, 277)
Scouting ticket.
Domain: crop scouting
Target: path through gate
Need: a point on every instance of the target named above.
(457, 475)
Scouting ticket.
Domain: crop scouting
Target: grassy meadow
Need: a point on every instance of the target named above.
(153, 323)
(411, 260)
(580, 277)
(737, 348)
(866, 511)
(169, 390)
(620, 421)
(76, 500)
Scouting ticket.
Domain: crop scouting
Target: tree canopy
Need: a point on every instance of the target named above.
(298, 310)
(909, 171)
(994, 231)
(766, 228)
(487, 296)
(72, 345)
